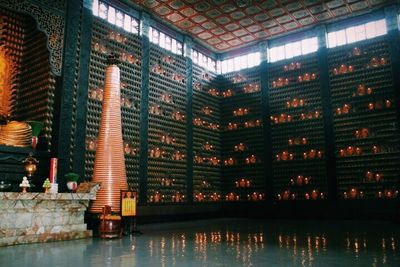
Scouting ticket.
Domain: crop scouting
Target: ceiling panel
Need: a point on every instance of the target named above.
(223, 25)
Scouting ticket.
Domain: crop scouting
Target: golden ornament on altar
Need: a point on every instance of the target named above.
(8, 75)
(16, 133)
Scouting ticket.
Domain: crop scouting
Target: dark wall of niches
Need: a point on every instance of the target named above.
(371, 125)
(167, 128)
(332, 125)
(157, 118)
(242, 136)
(297, 129)
(107, 39)
(318, 127)
(207, 136)
(310, 129)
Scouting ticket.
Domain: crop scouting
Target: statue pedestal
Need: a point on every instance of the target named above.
(40, 217)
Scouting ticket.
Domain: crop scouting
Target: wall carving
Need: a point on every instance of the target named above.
(55, 4)
(48, 22)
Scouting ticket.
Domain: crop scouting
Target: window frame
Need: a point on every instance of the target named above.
(240, 62)
(293, 49)
(115, 16)
(356, 33)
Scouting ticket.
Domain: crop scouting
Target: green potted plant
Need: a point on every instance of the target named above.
(72, 180)
(47, 185)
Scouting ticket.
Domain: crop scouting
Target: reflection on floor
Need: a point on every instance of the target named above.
(225, 242)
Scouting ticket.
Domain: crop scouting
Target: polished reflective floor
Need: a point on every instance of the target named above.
(225, 242)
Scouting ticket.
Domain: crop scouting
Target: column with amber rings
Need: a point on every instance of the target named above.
(109, 166)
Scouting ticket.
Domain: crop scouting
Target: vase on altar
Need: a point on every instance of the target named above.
(37, 127)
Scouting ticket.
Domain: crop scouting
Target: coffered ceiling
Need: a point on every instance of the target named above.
(223, 25)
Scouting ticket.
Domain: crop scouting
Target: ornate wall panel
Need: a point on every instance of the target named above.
(50, 19)
(34, 83)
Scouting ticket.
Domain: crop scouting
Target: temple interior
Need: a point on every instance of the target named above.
(199, 133)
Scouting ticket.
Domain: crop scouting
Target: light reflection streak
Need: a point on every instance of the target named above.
(294, 245)
(163, 258)
(151, 247)
(302, 249)
(356, 247)
(183, 237)
(224, 247)
(310, 251)
(393, 244)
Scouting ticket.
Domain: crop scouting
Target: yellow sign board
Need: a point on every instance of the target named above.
(128, 203)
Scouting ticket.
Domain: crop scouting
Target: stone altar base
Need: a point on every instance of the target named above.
(41, 217)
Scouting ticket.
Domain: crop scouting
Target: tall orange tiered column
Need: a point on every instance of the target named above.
(109, 165)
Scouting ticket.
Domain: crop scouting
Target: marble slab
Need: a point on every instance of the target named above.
(46, 196)
(42, 217)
